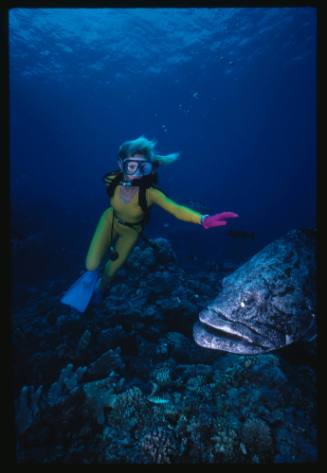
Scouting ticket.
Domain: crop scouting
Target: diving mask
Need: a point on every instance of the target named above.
(136, 167)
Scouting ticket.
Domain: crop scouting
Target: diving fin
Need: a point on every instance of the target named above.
(80, 293)
(97, 297)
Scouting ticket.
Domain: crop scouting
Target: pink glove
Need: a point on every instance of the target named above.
(217, 220)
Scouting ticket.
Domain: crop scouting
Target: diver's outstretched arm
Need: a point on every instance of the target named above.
(217, 220)
(188, 215)
(154, 196)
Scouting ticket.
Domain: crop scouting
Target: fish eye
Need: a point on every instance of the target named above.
(247, 300)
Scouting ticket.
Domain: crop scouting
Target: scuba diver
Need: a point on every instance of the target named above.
(132, 191)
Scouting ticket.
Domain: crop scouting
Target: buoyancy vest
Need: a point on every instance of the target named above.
(113, 178)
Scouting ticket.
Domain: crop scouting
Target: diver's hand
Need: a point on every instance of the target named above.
(217, 220)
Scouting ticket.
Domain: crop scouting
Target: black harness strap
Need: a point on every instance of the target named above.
(128, 224)
(113, 178)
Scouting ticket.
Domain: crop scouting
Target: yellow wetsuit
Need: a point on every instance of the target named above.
(125, 236)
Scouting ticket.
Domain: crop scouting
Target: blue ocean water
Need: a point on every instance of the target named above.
(233, 90)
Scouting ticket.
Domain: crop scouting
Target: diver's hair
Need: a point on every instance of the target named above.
(146, 147)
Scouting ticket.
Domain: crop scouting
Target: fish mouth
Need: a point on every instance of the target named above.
(214, 330)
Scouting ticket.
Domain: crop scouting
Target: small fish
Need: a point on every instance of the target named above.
(17, 236)
(19, 239)
(268, 302)
(240, 234)
(158, 400)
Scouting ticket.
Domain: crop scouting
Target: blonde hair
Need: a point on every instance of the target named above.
(145, 147)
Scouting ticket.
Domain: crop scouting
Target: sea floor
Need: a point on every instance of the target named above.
(125, 382)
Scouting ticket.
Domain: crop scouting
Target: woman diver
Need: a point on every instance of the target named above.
(132, 191)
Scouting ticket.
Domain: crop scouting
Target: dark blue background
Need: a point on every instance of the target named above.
(84, 81)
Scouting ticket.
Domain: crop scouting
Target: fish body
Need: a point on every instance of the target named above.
(158, 400)
(240, 234)
(21, 240)
(267, 303)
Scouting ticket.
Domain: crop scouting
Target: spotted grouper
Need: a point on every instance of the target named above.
(268, 302)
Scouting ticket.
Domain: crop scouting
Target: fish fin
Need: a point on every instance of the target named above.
(311, 333)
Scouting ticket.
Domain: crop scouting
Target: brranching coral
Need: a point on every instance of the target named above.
(127, 384)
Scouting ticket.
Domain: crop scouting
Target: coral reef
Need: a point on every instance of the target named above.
(257, 438)
(125, 382)
(160, 446)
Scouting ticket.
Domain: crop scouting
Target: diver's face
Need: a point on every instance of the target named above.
(131, 166)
